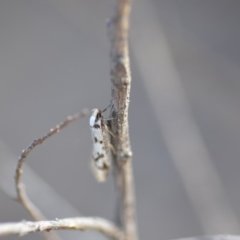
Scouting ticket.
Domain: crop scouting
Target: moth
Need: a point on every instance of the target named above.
(100, 159)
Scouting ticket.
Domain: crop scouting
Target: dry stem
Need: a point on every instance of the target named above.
(121, 84)
(83, 223)
(21, 193)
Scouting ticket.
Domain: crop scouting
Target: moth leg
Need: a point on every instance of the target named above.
(113, 149)
(107, 126)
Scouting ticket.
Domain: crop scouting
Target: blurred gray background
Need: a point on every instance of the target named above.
(184, 111)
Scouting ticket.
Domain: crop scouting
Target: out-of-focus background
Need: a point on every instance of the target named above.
(184, 111)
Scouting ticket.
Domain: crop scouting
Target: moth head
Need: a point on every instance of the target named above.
(95, 116)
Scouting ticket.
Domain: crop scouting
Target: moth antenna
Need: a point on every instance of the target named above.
(104, 110)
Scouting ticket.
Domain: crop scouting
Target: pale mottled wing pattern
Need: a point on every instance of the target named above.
(100, 160)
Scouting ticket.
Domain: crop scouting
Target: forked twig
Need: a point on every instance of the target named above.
(21, 193)
(121, 84)
(83, 223)
(22, 196)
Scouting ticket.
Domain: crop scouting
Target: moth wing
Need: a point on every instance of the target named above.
(100, 174)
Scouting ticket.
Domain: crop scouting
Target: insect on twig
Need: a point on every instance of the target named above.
(100, 159)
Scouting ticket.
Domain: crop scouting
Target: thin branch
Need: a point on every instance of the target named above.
(22, 196)
(21, 193)
(121, 84)
(82, 223)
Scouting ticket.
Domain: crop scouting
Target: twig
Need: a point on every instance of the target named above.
(21, 193)
(121, 84)
(82, 223)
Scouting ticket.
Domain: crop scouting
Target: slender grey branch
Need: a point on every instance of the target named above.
(121, 84)
(21, 193)
(22, 196)
(81, 223)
